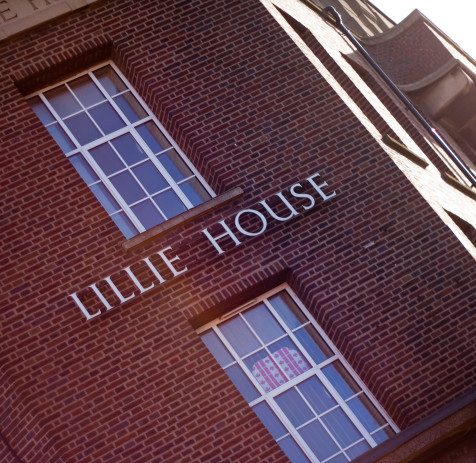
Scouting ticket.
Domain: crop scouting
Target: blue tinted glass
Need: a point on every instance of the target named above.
(169, 203)
(124, 224)
(292, 451)
(110, 80)
(107, 159)
(338, 459)
(149, 177)
(335, 374)
(62, 101)
(287, 310)
(154, 138)
(239, 336)
(263, 323)
(316, 394)
(106, 118)
(147, 214)
(174, 165)
(60, 137)
(129, 149)
(362, 412)
(82, 128)
(383, 434)
(309, 338)
(130, 107)
(195, 192)
(105, 198)
(127, 187)
(357, 449)
(242, 383)
(289, 358)
(294, 407)
(318, 440)
(269, 419)
(266, 371)
(83, 168)
(41, 111)
(86, 91)
(340, 426)
(216, 347)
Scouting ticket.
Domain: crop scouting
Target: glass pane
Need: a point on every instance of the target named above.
(239, 336)
(316, 394)
(292, 451)
(340, 426)
(110, 80)
(106, 118)
(366, 413)
(263, 323)
(341, 380)
(129, 149)
(154, 138)
(130, 107)
(174, 165)
(105, 198)
(289, 358)
(41, 110)
(61, 138)
(294, 407)
(318, 440)
(170, 204)
(124, 224)
(127, 187)
(62, 101)
(265, 370)
(147, 214)
(270, 420)
(217, 348)
(242, 383)
(86, 91)
(287, 310)
(194, 191)
(107, 159)
(338, 459)
(149, 177)
(313, 343)
(383, 434)
(83, 168)
(357, 449)
(82, 128)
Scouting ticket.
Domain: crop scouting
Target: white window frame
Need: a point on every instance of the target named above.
(315, 370)
(128, 128)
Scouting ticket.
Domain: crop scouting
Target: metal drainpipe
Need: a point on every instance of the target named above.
(464, 169)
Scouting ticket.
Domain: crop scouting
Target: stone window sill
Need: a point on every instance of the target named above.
(162, 229)
(468, 191)
(402, 149)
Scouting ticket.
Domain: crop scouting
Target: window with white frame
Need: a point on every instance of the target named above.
(296, 381)
(119, 148)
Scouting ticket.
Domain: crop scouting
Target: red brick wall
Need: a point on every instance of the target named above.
(136, 384)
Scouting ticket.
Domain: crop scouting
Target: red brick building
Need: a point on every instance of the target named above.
(225, 239)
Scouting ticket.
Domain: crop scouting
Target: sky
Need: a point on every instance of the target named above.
(456, 18)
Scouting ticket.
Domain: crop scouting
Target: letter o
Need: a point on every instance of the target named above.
(252, 211)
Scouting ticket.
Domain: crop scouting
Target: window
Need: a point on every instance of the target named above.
(121, 151)
(297, 383)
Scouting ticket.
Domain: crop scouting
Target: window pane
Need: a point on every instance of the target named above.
(62, 101)
(217, 348)
(292, 451)
(149, 177)
(242, 383)
(147, 214)
(170, 204)
(110, 80)
(105, 198)
(129, 149)
(338, 459)
(82, 128)
(318, 440)
(263, 323)
(289, 358)
(154, 138)
(294, 407)
(270, 420)
(313, 343)
(287, 310)
(130, 107)
(366, 413)
(341, 380)
(60, 137)
(127, 187)
(383, 434)
(340, 426)
(106, 118)
(357, 449)
(239, 336)
(41, 110)
(83, 168)
(194, 191)
(265, 370)
(124, 224)
(316, 394)
(86, 91)
(174, 165)
(107, 159)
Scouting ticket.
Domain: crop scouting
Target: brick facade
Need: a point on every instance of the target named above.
(383, 275)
